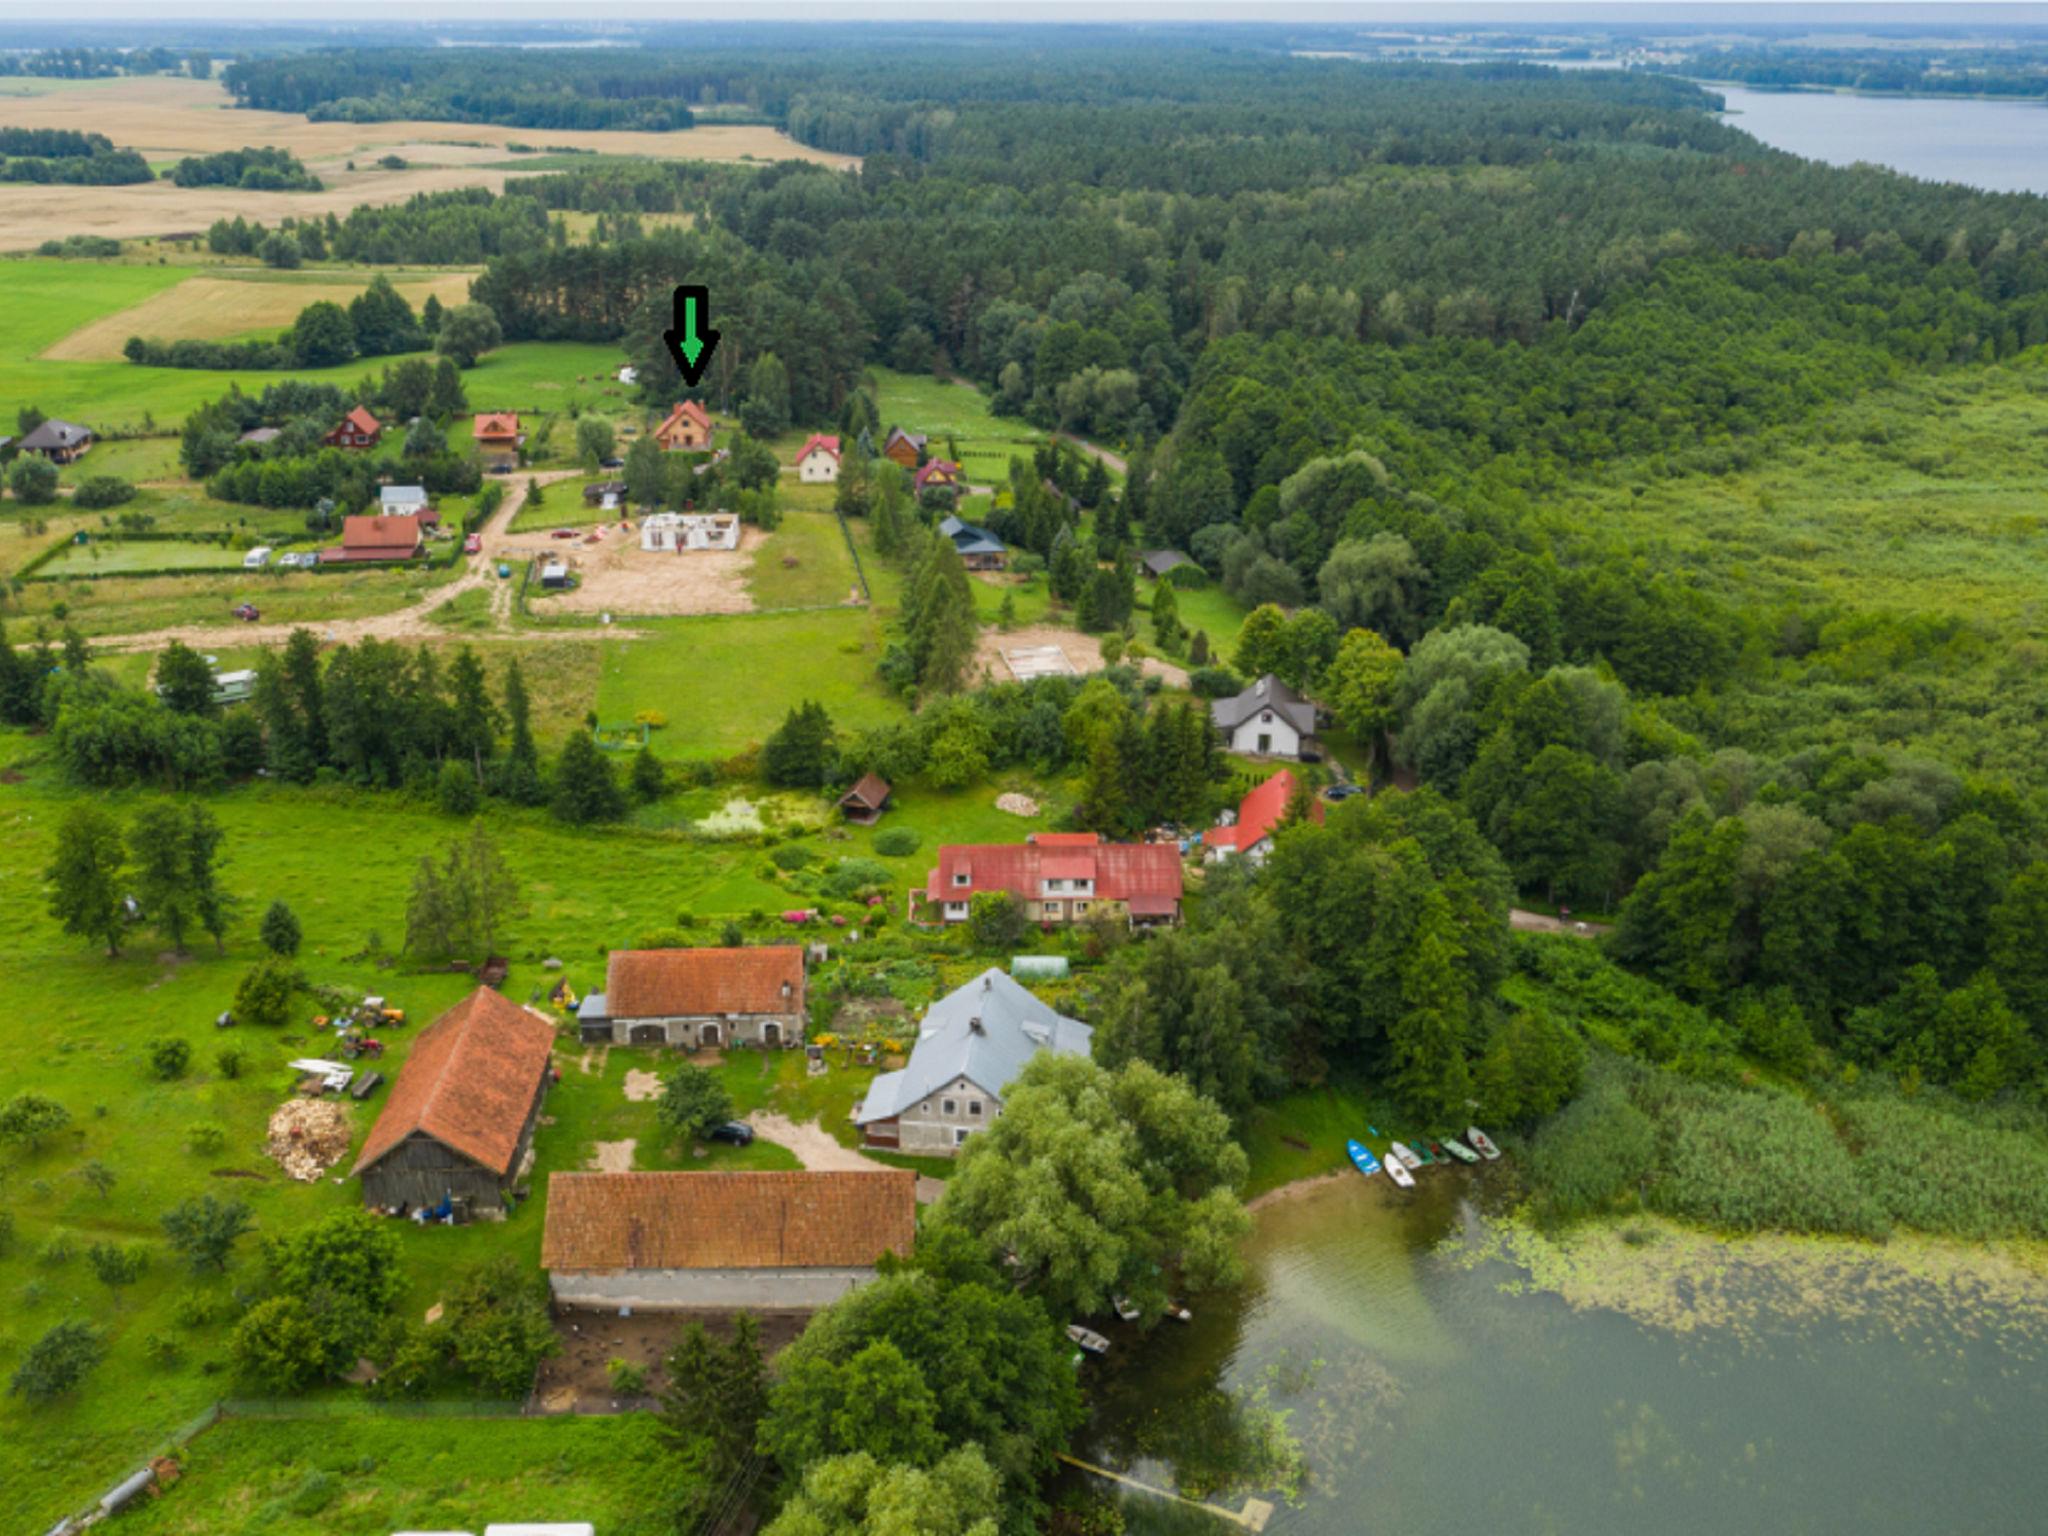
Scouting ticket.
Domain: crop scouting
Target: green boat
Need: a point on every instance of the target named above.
(1422, 1153)
(1459, 1150)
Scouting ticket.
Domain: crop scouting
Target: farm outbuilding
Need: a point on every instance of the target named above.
(458, 1125)
(865, 802)
(752, 995)
(688, 1241)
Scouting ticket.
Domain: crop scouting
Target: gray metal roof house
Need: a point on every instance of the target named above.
(1269, 719)
(58, 441)
(973, 1043)
(982, 550)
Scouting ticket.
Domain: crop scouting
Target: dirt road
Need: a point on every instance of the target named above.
(1540, 922)
(812, 1144)
(1114, 460)
(410, 623)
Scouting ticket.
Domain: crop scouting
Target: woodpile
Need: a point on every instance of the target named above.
(307, 1137)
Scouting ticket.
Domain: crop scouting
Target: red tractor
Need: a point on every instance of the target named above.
(247, 613)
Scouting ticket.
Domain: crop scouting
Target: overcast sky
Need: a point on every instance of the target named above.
(324, 13)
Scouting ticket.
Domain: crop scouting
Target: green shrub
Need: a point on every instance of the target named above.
(897, 842)
(100, 491)
(849, 877)
(169, 1057)
(205, 1139)
(790, 856)
(627, 1378)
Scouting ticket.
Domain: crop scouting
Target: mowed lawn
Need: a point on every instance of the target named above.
(724, 682)
(371, 1476)
(804, 563)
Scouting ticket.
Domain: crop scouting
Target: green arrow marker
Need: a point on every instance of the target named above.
(691, 342)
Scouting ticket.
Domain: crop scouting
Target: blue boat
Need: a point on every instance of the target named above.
(1362, 1158)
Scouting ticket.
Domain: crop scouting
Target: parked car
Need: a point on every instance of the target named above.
(473, 545)
(247, 613)
(563, 533)
(737, 1132)
(1342, 791)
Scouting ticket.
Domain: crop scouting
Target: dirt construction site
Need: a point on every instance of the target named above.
(615, 575)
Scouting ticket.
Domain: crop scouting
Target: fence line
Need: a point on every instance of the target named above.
(852, 549)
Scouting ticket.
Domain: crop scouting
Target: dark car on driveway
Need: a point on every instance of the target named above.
(1342, 791)
(738, 1132)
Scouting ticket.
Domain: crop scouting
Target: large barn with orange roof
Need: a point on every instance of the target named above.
(459, 1123)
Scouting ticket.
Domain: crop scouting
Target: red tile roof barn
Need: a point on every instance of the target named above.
(1259, 814)
(685, 1220)
(669, 983)
(817, 440)
(469, 1083)
(1121, 871)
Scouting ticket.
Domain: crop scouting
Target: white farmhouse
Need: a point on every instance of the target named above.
(970, 1048)
(1269, 719)
(817, 462)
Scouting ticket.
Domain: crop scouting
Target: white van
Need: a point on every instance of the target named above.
(257, 558)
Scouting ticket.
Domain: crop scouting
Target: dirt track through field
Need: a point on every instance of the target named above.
(413, 623)
(167, 119)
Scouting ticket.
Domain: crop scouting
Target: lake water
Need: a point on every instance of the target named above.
(2001, 146)
(1434, 1395)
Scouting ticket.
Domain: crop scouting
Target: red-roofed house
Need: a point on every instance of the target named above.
(693, 997)
(376, 538)
(459, 1122)
(936, 474)
(687, 426)
(358, 429)
(1258, 818)
(498, 430)
(1060, 876)
(817, 462)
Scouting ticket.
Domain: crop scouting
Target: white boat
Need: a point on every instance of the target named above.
(1403, 1156)
(1482, 1142)
(1088, 1339)
(1179, 1313)
(1126, 1308)
(1398, 1172)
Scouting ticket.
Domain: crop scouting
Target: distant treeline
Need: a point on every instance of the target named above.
(2009, 71)
(104, 63)
(108, 168)
(377, 323)
(551, 89)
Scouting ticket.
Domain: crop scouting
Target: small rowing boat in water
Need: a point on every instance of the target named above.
(1459, 1150)
(1399, 1174)
(1088, 1339)
(1397, 1153)
(1483, 1142)
(1436, 1150)
(1179, 1313)
(1126, 1308)
(1362, 1158)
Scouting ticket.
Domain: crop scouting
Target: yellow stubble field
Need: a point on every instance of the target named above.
(224, 303)
(166, 118)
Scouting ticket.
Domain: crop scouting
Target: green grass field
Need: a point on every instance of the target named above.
(726, 681)
(370, 1476)
(822, 572)
(343, 860)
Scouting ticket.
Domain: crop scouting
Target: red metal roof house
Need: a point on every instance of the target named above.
(817, 462)
(1061, 877)
(1258, 818)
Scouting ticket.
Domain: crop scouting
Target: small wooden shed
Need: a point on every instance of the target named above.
(459, 1122)
(866, 801)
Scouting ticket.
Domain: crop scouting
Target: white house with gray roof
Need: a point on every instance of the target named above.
(971, 1046)
(1269, 719)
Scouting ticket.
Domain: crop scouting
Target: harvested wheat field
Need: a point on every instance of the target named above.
(167, 118)
(223, 304)
(617, 576)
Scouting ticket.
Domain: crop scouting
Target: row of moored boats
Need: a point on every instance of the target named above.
(1405, 1159)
